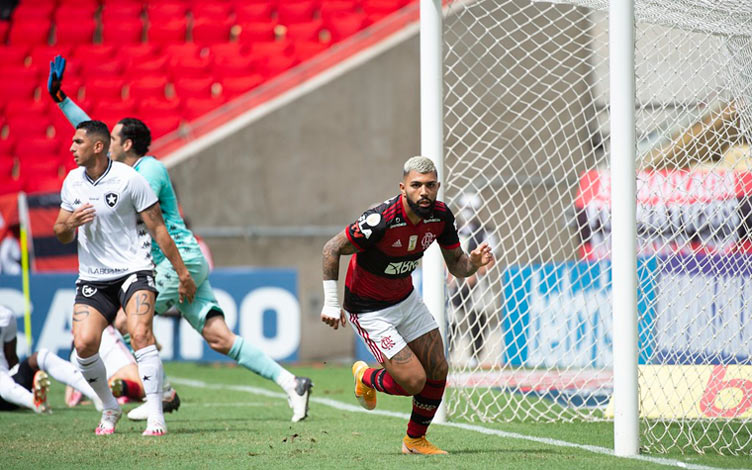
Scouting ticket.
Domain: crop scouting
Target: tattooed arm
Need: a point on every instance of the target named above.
(460, 264)
(152, 217)
(339, 245)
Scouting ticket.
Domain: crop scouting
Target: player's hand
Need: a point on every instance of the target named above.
(83, 214)
(186, 289)
(333, 316)
(55, 79)
(481, 255)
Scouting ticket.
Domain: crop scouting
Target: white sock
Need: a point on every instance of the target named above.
(92, 368)
(11, 392)
(151, 372)
(285, 380)
(65, 372)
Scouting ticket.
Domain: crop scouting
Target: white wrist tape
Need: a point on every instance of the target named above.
(331, 301)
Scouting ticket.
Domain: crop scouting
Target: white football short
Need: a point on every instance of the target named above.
(386, 332)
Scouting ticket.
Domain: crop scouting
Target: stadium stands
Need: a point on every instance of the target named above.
(167, 62)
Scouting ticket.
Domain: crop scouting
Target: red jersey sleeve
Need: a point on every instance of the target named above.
(368, 229)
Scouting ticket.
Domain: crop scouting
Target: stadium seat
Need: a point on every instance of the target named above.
(117, 10)
(253, 32)
(41, 56)
(148, 67)
(104, 88)
(380, 8)
(123, 31)
(194, 87)
(42, 182)
(227, 51)
(216, 11)
(38, 154)
(156, 107)
(192, 108)
(207, 31)
(21, 127)
(148, 87)
(71, 12)
(29, 32)
(167, 32)
(19, 73)
(39, 11)
(253, 12)
(268, 49)
(8, 184)
(185, 49)
(276, 64)
(4, 28)
(342, 26)
(75, 31)
(105, 68)
(304, 50)
(84, 54)
(305, 31)
(235, 86)
(13, 55)
(160, 126)
(337, 7)
(19, 89)
(295, 12)
(6, 147)
(137, 52)
(234, 66)
(122, 108)
(19, 107)
(189, 67)
(166, 10)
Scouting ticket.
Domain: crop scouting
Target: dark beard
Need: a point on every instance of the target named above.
(422, 212)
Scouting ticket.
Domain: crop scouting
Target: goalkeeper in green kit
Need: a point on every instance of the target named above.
(130, 140)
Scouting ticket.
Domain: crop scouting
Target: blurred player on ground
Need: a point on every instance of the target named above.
(130, 143)
(25, 383)
(384, 310)
(102, 202)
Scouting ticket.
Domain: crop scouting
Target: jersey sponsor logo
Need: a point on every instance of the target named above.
(398, 225)
(428, 238)
(88, 291)
(430, 221)
(397, 244)
(373, 219)
(107, 270)
(412, 242)
(387, 343)
(401, 267)
(111, 199)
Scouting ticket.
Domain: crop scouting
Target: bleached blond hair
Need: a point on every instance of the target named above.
(420, 164)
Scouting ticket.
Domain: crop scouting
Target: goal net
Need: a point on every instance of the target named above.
(526, 123)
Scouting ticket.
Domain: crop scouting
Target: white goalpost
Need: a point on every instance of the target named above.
(603, 149)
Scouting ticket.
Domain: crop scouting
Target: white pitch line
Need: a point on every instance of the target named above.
(469, 427)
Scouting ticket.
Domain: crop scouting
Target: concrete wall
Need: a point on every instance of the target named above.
(320, 160)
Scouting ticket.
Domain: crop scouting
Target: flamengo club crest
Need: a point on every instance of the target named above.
(111, 199)
(387, 343)
(427, 239)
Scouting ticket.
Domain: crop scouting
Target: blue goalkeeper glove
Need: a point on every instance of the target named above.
(55, 80)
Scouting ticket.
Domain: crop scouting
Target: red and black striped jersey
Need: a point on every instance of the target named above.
(389, 247)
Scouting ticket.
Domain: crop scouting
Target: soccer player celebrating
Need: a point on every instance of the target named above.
(384, 309)
(130, 143)
(102, 202)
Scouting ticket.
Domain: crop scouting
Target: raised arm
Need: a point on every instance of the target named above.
(67, 222)
(152, 217)
(460, 264)
(332, 313)
(72, 111)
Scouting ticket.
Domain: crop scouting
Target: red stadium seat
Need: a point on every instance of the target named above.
(189, 67)
(19, 73)
(235, 66)
(90, 53)
(122, 108)
(148, 67)
(8, 184)
(232, 87)
(75, 31)
(307, 31)
(6, 147)
(185, 49)
(166, 10)
(194, 107)
(338, 7)
(13, 55)
(268, 49)
(137, 52)
(163, 125)
(104, 88)
(381, 8)
(216, 11)
(295, 12)
(41, 56)
(257, 32)
(166, 32)
(253, 12)
(118, 10)
(227, 51)
(194, 87)
(38, 154)
(343, 26)
(106, 68)
(20, 107)
(123, 31)
(19, 89)
(21, 127)
(277, 64)
(148, 87)
(207, 31)
(39, 11)
(79, 11)
(4, 28)
(156, 107)
(29, 32)
(304, 50)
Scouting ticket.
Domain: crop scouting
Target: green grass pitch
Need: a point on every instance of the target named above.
(231, 418)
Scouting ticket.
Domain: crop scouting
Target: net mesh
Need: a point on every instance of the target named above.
(526, 92)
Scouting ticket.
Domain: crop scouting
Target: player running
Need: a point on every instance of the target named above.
(130, 143)
(384, 310)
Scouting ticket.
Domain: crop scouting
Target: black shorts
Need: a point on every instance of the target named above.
(108, 296)
(24, 377)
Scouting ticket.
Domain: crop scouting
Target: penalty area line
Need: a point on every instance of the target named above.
(468, 427)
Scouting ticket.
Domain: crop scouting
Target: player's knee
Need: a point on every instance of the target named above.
(85, 345)
(414, 384)
(220, 344)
